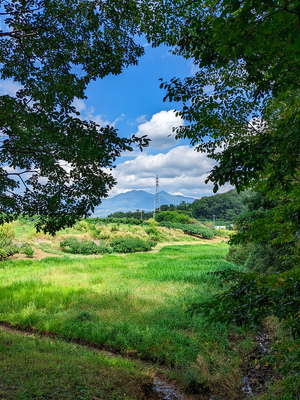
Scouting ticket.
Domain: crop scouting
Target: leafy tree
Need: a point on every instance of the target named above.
(225, 206)
(242, 107)
(54, 163)
(173, 216)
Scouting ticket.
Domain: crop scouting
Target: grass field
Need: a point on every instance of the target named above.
(132, 304)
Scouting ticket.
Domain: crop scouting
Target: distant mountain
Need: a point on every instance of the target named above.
(137, 200)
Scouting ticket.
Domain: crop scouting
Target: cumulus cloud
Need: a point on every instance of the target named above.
(181, 171)
(159, 129)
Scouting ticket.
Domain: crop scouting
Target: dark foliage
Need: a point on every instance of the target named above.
(58, 162)
(249, 297)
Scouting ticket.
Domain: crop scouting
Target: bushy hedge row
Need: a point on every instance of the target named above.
(117, 245)
(174, 217)
(191, 229)
(83, 247)
(131, 245)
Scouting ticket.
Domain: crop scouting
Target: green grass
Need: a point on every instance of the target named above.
(134, 304)
(33, 368)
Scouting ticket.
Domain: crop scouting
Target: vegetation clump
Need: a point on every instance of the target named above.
(118, 245)
(7, 247)
(131, 245)
(27, 250)
(192, 229)
(75, 246)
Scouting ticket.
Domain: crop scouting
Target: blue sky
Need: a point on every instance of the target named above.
(133, 103)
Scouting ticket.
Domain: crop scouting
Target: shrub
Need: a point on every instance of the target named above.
(7, 231)
(104, 235)
(7, 248)
(224, 232)
(114, 228)
(82, 226)
(153, 233)
(130, 245)
(27, 250)
(173, 216)
(83, 247)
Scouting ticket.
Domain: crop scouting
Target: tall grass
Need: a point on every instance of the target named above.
(134, 303)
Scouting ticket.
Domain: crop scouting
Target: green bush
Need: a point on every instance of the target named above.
(7, 231)
(114, 220)
(27, 250)
(83, 247)
(250, 297)
(130, 245)
(173, 216)
(114, 228)
(224, 232)
(153, 233)
(7, 248)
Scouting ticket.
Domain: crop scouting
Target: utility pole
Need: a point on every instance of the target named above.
(156, 198)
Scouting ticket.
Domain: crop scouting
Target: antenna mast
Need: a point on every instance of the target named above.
(156, 198)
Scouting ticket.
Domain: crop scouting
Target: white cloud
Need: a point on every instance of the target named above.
(159, 129)
(181, 170)
(79, 104)
(89, 114)
(9, 87)
(141, 119)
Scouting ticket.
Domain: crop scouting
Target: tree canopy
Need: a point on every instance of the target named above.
(242, 106)
(54, 163)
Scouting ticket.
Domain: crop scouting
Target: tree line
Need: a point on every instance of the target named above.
(225, 206)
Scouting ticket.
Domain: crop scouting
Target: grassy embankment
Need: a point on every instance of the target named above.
(133, 304)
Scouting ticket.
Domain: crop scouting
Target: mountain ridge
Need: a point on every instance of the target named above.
(137, 200)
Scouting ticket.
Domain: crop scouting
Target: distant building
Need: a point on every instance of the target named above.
(220, 227)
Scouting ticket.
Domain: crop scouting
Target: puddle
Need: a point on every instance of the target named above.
(166, 391)
(247, 389)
